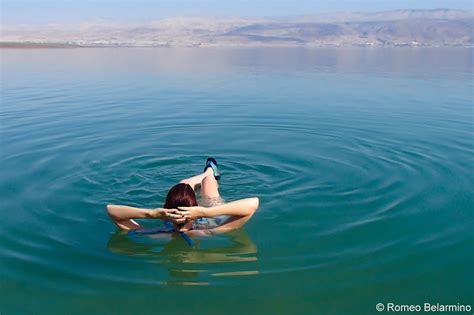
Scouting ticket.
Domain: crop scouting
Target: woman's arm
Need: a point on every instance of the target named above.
(123, 216)
(239, 208)
(240, 211)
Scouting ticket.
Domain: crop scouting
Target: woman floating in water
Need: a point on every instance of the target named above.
(182, 212)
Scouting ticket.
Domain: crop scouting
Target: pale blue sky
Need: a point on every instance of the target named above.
(39, 11)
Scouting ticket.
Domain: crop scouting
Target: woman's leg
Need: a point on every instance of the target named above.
(195, 180)
(209, 185)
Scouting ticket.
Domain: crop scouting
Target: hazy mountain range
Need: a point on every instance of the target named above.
(439, 27)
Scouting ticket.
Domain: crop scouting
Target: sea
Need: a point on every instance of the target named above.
(362, 158)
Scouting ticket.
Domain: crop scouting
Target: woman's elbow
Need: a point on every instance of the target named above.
(110, 210)
(255, 202)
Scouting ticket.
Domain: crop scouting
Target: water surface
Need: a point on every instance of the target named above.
(362, 160)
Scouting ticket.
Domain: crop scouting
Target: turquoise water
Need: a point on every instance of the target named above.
(362, 159)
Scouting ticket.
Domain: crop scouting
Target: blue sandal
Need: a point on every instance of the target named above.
(212, 163)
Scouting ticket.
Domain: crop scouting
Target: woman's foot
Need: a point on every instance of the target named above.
(212, 163)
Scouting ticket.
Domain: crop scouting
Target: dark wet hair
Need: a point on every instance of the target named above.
(180, 195)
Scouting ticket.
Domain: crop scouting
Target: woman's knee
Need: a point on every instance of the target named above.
(190, 183)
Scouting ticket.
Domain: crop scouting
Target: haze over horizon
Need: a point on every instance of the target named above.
(74, 11)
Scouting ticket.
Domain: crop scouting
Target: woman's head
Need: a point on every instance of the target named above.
(180, 195)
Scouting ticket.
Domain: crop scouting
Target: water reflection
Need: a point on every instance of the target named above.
(226, 255)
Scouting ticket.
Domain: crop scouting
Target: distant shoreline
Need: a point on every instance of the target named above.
(32, 45)
(27, 45)
(399, 28)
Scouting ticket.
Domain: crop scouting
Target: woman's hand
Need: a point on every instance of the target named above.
(192, 213)
(169, 214)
